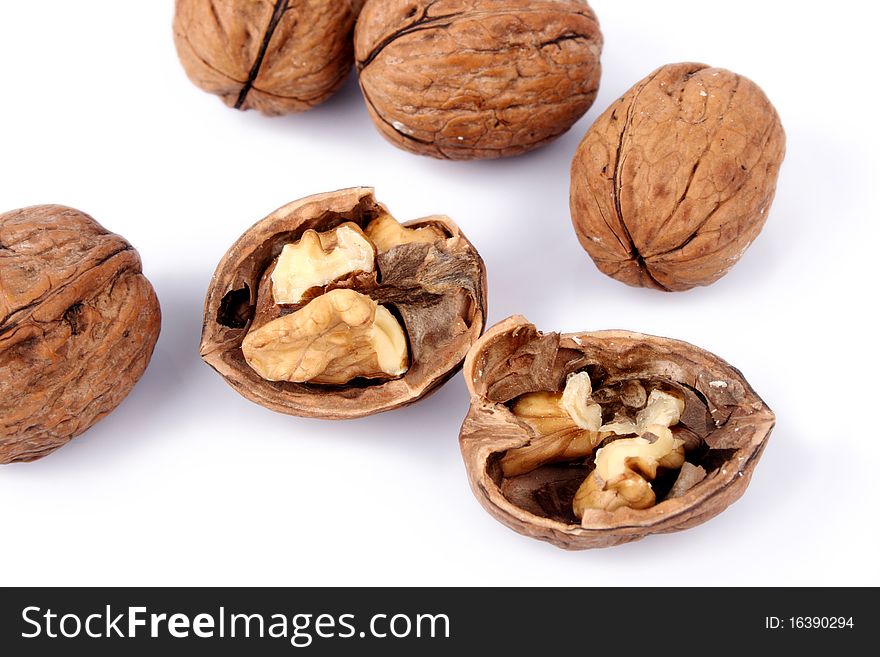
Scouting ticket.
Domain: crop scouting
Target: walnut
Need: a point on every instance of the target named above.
(78, 323)
(379, 324)
(661, 462)
(319, 259)
(335, 338)
(467, 79)
(674, 181)
(564, 428)
(577, 400)
(386, 233)
(625, 468)
(275, 56)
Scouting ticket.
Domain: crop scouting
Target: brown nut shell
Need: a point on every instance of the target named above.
(78, 323)
(468, 79)
(674, 181)
(728, 421)
(438, 291)
(275, 56)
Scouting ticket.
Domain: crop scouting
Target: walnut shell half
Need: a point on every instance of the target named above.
(674, 181)
(724, 428)
(275, 56)
(78, 323)
(436, 291)
(477, 78)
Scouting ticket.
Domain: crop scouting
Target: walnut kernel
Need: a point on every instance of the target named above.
(386, 233)
(337, 337)
(319, 259)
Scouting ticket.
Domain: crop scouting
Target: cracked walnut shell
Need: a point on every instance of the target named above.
(383, 314)
(468, 79)
(674, 181)
(78, 323)
(275, 56)
(535, 471)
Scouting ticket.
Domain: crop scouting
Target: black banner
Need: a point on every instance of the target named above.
(431, 621)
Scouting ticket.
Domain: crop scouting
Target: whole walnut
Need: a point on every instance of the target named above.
(468, 79)
(78, 323)
(278, 57)
(674, 181)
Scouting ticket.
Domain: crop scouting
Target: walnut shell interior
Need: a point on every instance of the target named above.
(437, 292)
(725, 426)
(78, 323)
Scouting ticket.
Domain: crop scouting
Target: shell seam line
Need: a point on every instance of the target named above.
(17, 317)
(635, 254)
(425, 22)
(280, 7)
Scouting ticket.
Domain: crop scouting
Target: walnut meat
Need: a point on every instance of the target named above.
(382, 314)
(674, 181)
(681, 433)
(78, 323)
(467, 79)
(275, 56)
(336, 338)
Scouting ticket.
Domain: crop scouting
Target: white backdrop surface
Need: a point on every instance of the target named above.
(189, 483)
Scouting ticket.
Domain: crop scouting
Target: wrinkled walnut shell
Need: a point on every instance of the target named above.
(674, 181)
(275, 56)
(438, 291)
(721, 411)
(78, 323)
(477, 78)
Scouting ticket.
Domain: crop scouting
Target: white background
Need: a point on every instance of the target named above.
(188, 483)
